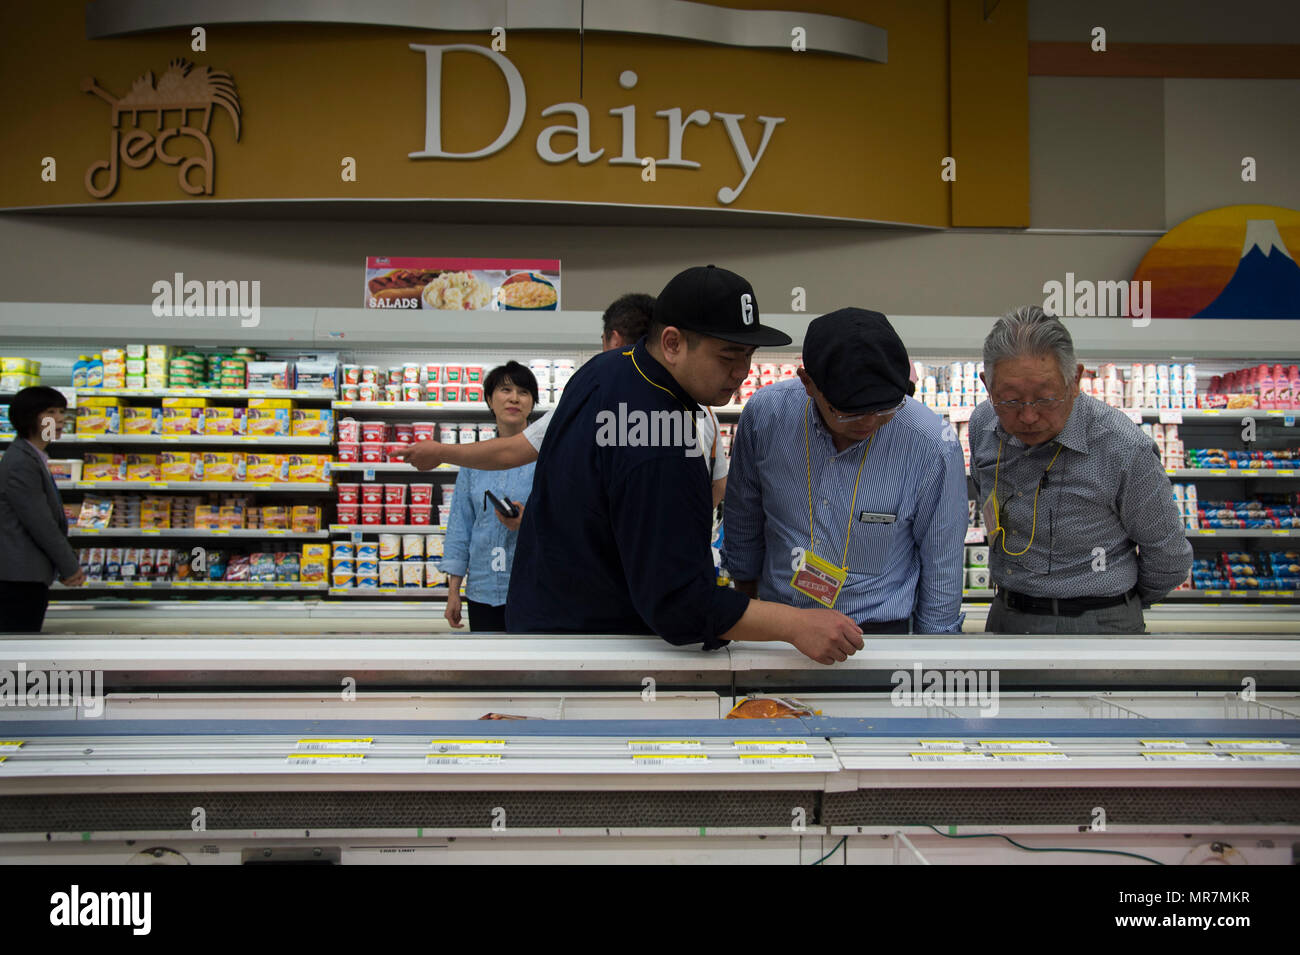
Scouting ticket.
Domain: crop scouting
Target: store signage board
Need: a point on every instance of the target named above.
(669, 118)
(460, 284)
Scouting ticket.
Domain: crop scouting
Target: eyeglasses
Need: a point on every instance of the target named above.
(1042, 404)
(876, 413)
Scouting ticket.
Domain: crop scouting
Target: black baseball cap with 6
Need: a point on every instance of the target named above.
(717, 303)
(857, 361)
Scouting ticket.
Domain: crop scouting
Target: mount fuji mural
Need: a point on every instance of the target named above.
(1266, 283)
(1229, 263)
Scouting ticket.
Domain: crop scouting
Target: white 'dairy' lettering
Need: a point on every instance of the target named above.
(582, 151)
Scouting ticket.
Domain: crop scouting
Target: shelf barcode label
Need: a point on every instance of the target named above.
(463, 759)
(1030, 757)
(948, 744)
(455, 745)
(662, 745)
(671, 760)
(952, 757)
(1017, 744)
(1182, 757)
(1267, 757)
(327, 760)
(768, 745)
(323, 745)
(1248, 744)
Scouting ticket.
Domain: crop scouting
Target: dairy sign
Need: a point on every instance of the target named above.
(739, 132)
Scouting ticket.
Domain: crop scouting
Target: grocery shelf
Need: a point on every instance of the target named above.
(1249, 473)
(191, 532)
(1247, 532)
(1230, 594)
(408, 593)
(226, 439)
(336, 529)
(313, 393)
(192, 486)
(389, 466)
(203, 586)
(422, 407)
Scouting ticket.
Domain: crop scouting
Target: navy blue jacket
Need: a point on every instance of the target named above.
(616, 539)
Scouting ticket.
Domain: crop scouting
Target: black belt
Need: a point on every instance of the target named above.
(886, 626)
(1072, 607)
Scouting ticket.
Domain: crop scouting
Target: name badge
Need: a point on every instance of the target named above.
(868, 517)
(818, 579)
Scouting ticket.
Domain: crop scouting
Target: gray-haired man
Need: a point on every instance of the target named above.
(1083, 529)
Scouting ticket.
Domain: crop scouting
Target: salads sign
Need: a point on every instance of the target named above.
(462, 284)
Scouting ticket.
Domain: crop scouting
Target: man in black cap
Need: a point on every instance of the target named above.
(616, 535)
(844, 491)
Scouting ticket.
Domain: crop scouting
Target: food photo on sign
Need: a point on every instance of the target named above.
(462, 284)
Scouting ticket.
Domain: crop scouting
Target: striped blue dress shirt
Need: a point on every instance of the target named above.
(914, 470)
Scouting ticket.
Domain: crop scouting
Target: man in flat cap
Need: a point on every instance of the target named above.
(844, 491)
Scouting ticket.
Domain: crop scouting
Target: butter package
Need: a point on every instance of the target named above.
(306, 517)
(263, 468)
(207, 517)
(20, 366)
(308, 468)
(314, 564)
(223, 421)
(268, 422)
(279, 404)
(103, 467)
(270, 374)
(155, 512)
(97, 420)
(142, 467)
(180, 466)
(275, 518)
(141, 420)
(185, 403)
(224, 466)
(313, 423)
(230, 517)
(182, 421)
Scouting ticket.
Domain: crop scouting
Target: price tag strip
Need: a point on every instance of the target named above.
(948, 744)
(477, 760)
(11, 746)
(336, 745)
(1248, 744)
(775, 746)
(663, 745)
(1017, 744)
(457, 745)
(672, 761)
(327, 760)
(784, 761)
(1030, 757)
(952, 757)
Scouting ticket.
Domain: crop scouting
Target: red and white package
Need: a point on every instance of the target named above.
(372, 494)
(424, 430)
(421, 493)
(394, 493)
(372, 513)
(421, 513)
(394, 513)
(403, 433)
(392, 449)
(349, 493)
(349, 513)
(374, 431)
(349, 451)
(372, 452)
(350, 430)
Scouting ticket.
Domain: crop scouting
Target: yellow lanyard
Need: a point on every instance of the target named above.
(1033, 529)
(807, 457)
(694, 427)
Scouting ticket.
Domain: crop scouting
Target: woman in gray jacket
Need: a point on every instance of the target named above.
(34, 547)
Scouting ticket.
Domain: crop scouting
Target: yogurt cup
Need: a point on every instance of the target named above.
(350, 393)
(392, 449)
(394, 375)
(473, 374)
(374, 431)
(412, 573)
(404, 433)
(368, 392)
(344, 550)
(394, 513)
(467, 433)
(423, 430)
(453, 374)
(447, 433)
(372, 493)
(421, 514)
(349, 513)
(394, 493)
(349, 493)
(390, 546)
(450, 392)
(448, 490)
(390, 573)
(486, 432)
(421, 493)
(372, 513)
(432, 545)
(369, 374)
(372, 452)
(413, 547)
(432, 372)
(444, 515)
(350, 430)
(351, 374)
(392, 393)
(473, 392)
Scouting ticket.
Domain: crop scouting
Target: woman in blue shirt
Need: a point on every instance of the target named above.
(480, 543)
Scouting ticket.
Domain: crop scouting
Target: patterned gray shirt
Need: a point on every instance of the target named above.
(1106, 513)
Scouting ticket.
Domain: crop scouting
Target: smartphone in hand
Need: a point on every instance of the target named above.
(505, 508)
